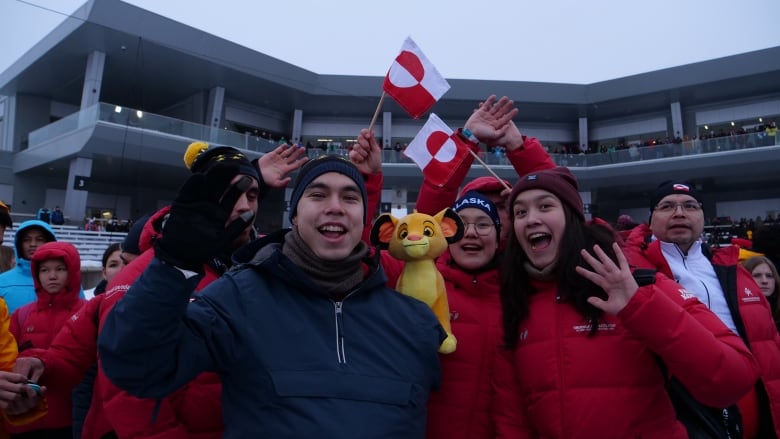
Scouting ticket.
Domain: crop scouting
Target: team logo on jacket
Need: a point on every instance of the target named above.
(685, 294)
(454, 315)
(600, 327)
(748, 296)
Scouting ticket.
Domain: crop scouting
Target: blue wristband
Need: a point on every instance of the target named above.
(468, 135)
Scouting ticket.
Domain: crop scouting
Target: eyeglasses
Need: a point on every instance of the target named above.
(482, 229)
(688, 206)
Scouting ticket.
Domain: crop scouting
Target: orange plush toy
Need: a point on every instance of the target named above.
(418, 239)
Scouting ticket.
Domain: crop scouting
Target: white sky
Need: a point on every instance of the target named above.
(572, 41)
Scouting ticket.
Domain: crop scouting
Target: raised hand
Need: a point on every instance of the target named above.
(615, 280)
(490, 121)
(197, 229)
(277, 165)
(366, 153)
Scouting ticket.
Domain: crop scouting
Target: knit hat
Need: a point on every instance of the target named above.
(671, 187)
(200, 158)
(559, 181)
(485, 184)
(5, 215)
(625, 221)
(474, 199)
(130, 244)
(322, 165)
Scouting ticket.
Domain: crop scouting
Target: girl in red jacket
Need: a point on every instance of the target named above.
(583, 342)
(56, 270)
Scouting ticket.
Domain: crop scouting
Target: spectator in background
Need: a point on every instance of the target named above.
(5, 220)
(44, 215)
(672, 244)
(16, 285)
(131, 247)
(765, 274)
(56, 269)
(7, 258)
(57, 217)
(82, 394)
(112, 263)
(624, 225)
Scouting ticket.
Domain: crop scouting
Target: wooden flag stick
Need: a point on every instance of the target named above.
(503, 183)
(376, 113)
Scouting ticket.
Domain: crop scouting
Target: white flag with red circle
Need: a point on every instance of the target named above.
(437, 150)
(413, 81)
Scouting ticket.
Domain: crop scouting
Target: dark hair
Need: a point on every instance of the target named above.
(516, 286)
(117, 246)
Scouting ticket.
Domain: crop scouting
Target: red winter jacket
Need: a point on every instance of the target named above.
(193, 411)
(75, 350)
(749, 309)
(36, 324)
(461, 407)
(560, 382)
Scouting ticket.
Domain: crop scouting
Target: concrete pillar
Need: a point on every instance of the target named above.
(677, 122)
(214, 112)
(587, 204)
(387, 128)
(297, 125)
(583, 132)
(93, 79)
(78, 188)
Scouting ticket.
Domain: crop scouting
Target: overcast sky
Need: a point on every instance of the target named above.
(571, 41)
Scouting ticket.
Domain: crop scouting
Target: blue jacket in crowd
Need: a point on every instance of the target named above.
(16, 284)
(293, 361)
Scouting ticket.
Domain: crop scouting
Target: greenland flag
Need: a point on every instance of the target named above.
(437, 150)
(413, 81)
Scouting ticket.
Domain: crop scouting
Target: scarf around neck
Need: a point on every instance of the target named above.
(335, 277)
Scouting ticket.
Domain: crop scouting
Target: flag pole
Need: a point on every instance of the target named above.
(503, 183)
(376, 113)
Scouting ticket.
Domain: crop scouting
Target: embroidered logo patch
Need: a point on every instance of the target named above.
(748, 296)
(685, 294)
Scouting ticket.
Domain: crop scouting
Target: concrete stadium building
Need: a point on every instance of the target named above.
(96, 117)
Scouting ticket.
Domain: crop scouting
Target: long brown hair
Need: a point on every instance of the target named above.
(750, 264)
(516, 286)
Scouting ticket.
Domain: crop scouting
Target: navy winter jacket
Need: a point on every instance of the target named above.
(293, 362)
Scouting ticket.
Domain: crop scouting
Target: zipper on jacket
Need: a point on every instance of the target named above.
(685, 265)
(725, 414)
(342, 359)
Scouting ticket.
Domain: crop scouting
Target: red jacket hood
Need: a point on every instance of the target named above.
(68, 253)
(152, 229)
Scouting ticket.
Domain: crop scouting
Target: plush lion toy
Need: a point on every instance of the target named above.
(418, 239)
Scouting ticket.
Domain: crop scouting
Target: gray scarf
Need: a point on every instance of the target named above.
(336, 277)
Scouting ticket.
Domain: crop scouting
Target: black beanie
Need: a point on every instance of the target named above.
(671, 187)
(558, 181)
(130, 244)
(475, 200)
(322, 165)
(200, 158)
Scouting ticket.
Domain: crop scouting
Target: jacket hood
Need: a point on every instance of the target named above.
(60, 250)
(484, 185)
(45, 227)
(152, 230)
